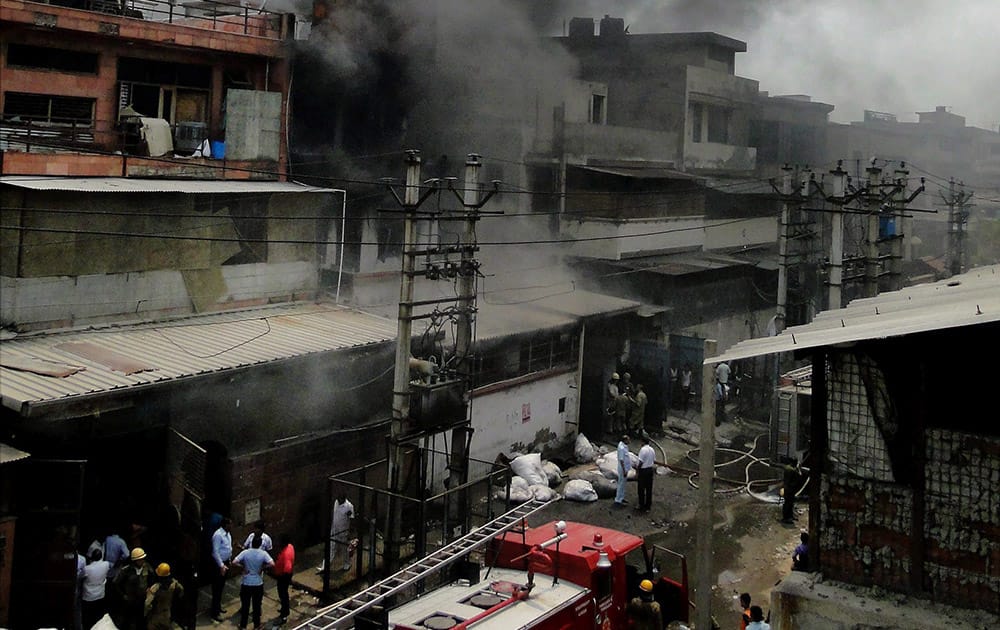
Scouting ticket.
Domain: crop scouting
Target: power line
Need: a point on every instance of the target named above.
(222, 239)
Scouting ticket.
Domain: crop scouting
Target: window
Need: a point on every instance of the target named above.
(70, 110)
(164, 73)
(562, 405)
(597, 109)
(709, 123)
(718, 124)
(697, 115)
(25, 56)
(531, 355)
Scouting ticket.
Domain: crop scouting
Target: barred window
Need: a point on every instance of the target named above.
(19, 106)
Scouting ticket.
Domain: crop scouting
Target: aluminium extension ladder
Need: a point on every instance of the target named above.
(339, 615)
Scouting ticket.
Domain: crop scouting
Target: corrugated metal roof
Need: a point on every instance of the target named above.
(182, 348)
(968, 299)
(9, 454)
(538, 309)
(136, 185)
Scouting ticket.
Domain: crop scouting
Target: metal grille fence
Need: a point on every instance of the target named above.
(857, 444)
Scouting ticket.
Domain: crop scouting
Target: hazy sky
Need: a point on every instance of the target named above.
(899, 56)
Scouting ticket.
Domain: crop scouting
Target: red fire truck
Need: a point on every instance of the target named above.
(558, 576)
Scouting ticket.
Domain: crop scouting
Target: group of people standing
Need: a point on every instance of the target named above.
(114, 580)
(626, 409)
(252, 561)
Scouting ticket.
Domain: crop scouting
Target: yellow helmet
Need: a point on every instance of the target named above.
(163, 570)
(137, 554)
(646, 585)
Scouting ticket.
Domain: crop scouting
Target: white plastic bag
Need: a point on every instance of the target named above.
(583, 450)
(519, 491)
(579, 490)
(553, 473)
(543, 493)
(605, 488)
(608, 465)
(530, 468)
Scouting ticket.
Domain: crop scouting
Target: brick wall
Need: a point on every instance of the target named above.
(866, 536)
(290, 481)
(962, 527)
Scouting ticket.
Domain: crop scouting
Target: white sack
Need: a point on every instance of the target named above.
(553, 473)
(530, 468)
(608, 464)
(584, 451)
(543, 493)
(519, 491)
(579, 490)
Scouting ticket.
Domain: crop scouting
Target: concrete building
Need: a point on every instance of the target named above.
(902, 470)
(789, 129)
(118, 224)
(650, 161)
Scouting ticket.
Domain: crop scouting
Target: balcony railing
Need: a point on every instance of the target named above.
(230, 17)
(103, 136)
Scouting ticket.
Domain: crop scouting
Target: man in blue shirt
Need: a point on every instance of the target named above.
(624, 465)
(253, 561)
(222, 553)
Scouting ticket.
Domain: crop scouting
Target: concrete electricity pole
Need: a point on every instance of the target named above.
(787, 174)
(838, 197)
(958, 216)
(705, 577)
(873, 202)
(402, 454)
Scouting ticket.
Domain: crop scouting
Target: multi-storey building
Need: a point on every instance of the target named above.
(143, 191)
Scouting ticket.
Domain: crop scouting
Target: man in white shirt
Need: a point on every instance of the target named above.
(265, 540)
(647, 466)
(95, 578)
(722, 373)
(624, 465)
(340, 533)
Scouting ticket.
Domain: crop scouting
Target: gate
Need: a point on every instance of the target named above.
(185, 470)
(48, 501)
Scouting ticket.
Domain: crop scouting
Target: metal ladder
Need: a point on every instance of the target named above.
(340, 614)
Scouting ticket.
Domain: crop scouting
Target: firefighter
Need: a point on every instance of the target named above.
(643, 611)
(161, 597)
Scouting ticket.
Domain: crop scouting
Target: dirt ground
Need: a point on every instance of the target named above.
(751, 547)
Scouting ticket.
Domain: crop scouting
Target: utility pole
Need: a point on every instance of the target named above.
(873, 201)
(705, 578)
(439, 400)
(838, 197)
(901, 177)
(458, 464)
(958, 216)
(401, 454)
(787, 173)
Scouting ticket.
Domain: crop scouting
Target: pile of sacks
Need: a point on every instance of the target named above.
(602, 482)
(536, 478)
(533, 479)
